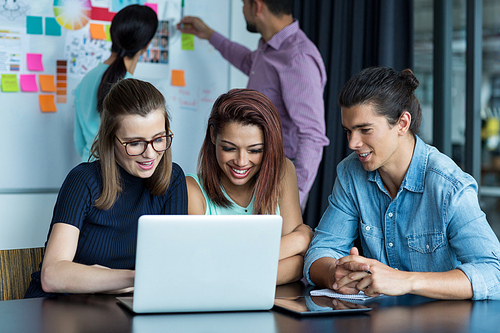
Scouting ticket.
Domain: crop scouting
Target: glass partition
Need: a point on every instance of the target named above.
(489, 184)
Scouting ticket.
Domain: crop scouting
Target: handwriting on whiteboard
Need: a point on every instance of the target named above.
(192, 99)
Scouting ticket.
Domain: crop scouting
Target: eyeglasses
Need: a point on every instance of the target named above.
(159, 144)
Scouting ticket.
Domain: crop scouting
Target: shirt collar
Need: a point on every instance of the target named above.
(281, 36)
(415, 176)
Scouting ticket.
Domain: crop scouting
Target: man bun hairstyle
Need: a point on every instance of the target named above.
(390, 92)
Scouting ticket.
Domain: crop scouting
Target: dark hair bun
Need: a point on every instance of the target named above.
(410, 80)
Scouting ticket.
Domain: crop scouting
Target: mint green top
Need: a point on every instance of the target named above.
(235, 209)
(87, 118)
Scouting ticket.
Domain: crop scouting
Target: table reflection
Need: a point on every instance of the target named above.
(255, 321)
(434, 316)
(84, 313)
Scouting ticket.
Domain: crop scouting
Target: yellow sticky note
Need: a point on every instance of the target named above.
(97, 31)
(9, 83)
(47, 103)
(47, 83)
(178, 78)
(187, 42)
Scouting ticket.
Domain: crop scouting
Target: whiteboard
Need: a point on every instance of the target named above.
(38, 147)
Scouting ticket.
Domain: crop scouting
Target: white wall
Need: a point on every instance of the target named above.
(239, 34)
(25, 217)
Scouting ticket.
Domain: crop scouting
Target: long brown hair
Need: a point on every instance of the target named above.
(246, 107)
(127, 97)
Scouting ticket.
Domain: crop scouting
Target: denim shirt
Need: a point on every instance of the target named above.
(434, 224)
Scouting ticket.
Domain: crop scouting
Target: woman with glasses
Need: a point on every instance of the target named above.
(132, 29)
(92, 237)
(242, 169)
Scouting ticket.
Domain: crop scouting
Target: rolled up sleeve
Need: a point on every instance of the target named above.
(475, 244)
(337, 229)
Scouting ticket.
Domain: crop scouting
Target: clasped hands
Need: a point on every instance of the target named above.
(354, 273)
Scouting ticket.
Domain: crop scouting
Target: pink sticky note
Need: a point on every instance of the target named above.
(34, 61)
(153, 6)
(28, 82)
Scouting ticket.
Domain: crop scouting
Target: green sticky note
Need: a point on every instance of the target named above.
(108, 34)
(34, 25)
(52, 28)
(188, 42)
(9, 83)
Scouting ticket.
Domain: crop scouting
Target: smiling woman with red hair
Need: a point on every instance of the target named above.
(242, 169)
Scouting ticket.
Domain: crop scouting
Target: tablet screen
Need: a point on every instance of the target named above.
(318, 305)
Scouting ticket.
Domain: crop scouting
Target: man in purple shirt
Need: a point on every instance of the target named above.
(286, 67)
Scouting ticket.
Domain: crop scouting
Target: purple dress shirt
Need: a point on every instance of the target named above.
(289, 70)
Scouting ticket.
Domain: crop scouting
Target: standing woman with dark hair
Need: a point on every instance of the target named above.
(131, 31)
(242, 169)
(92, 238)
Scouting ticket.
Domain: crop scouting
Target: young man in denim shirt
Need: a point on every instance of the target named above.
(414, 210)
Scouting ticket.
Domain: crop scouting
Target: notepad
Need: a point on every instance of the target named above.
(330, 293)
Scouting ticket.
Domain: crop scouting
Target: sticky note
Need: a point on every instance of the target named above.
(187, 42)
(47, 103)
(153, 6)
(97, 31)
(178, 78)
(9, 83)
(108, 34)
(47, 82)
(101, 14)
(34, 61)
(34, 25)
(28, 82)
(52, 28)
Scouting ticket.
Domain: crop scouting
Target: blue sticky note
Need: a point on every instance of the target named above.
(52, 28)
(34, 25)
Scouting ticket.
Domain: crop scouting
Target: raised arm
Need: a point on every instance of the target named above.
(194, 25)
(61, 275)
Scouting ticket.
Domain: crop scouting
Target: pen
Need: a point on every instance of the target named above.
(182, 14)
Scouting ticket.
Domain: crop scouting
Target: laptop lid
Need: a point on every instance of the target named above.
(191, 263)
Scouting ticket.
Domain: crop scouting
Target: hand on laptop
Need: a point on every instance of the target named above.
(120, 291)
(117, 291)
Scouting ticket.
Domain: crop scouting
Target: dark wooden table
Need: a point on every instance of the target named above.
(101, 313)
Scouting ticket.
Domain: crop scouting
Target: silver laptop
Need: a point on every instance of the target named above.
(193, 263)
